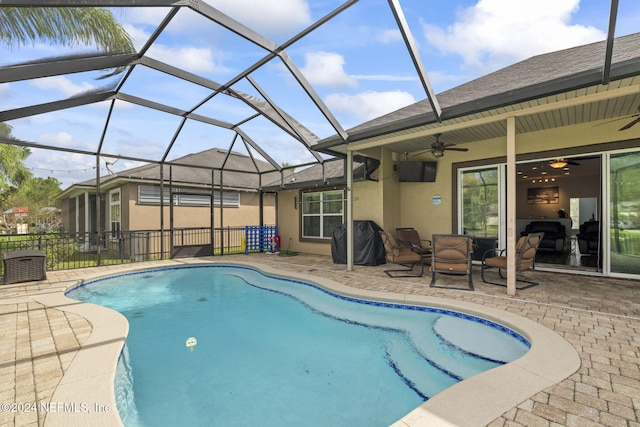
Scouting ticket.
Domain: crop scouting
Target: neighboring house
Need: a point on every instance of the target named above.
(16, 219)
(553, 132)
(131, 198)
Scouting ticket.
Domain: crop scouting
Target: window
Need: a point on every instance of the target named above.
(150, 195)
(321, 213)
(115, 213)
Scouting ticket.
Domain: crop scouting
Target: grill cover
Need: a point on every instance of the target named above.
(368, 247)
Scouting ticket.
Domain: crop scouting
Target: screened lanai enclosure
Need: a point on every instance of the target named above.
(204, 75)
(287, 86)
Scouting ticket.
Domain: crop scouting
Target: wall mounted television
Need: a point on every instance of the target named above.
(417, 171)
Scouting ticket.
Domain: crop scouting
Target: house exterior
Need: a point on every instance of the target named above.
(553, 124)
(131, 198)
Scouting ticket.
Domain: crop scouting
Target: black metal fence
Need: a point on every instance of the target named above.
(77, 250)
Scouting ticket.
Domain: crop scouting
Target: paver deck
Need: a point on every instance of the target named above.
(599, 316)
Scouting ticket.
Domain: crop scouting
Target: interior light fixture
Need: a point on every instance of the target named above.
(558, 163)
(437, 152)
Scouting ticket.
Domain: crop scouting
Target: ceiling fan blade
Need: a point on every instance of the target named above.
(630, 124)
(571, 162)
(419, 153)
(615, 120)
(456, 149)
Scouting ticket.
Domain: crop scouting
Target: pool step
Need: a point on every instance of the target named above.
(418, 373)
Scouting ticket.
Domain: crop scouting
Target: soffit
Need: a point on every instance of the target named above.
(491, 124)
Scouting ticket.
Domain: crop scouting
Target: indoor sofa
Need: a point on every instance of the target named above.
(554, 235)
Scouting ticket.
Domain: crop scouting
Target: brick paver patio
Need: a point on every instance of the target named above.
(599, 316)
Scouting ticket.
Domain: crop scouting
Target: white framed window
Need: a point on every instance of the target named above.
(115, 213)
(322, 212)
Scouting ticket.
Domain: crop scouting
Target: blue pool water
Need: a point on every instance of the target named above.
(282, 352)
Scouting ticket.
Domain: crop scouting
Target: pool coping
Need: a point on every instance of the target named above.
(476, 401)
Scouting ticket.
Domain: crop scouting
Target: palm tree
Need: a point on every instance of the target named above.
(63, 26)
(12, 171)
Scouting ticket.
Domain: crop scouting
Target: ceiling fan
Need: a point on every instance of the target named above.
(438, 147)
(632, 122)
(636, 120)
(561, 162)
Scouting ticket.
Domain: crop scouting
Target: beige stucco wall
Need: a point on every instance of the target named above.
(289, 225)
(147, 217)
(393, 204)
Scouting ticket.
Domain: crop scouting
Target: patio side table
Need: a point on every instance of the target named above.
(24, 266)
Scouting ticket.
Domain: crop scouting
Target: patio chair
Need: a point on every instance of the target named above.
(402, 256)
(526, 249)
(410, 238)
(452, 254)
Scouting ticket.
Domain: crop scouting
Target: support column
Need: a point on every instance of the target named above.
(511, 205)
(349, 171)
(77, 215)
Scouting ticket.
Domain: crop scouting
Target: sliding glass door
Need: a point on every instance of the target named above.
(624, 224)
(481, 208)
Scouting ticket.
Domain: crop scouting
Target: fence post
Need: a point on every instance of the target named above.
(148, 242)
(121, 248)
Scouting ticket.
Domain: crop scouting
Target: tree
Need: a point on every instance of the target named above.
(63, 26)
(12, 171)
(37, 193)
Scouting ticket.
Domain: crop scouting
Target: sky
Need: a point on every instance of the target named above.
(356, 63)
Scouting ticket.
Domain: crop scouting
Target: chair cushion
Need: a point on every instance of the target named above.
(497, 262)
(447, 266)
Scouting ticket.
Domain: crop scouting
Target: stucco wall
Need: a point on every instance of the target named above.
(392, 204)
(147, 217)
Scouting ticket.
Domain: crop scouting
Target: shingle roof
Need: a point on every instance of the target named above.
(329, 173)
(240, 172)
(538, 76)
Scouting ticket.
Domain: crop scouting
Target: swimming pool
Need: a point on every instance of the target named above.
(381, 357)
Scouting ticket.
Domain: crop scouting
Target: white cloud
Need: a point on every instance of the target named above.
(385, 77)
(63, 85)
(327, 69)
(192, 59)
(496, 33)
(138, 35)
(146, 15)
(268, 17)
(368, 105)
(389, 36)
(68, 168)
(60, 139)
